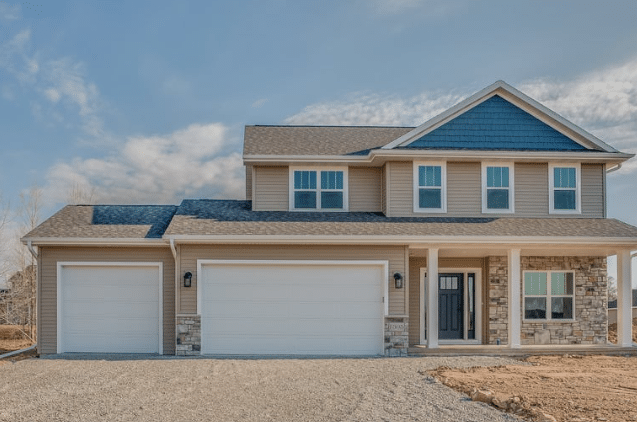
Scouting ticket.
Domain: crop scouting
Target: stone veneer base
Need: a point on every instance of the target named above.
(188, 335)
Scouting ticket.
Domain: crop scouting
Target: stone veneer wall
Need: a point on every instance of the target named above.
(591, 302)
(396, 336)
(188, 335)
(498, 299)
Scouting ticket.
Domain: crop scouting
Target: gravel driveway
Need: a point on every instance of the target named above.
(296, 390)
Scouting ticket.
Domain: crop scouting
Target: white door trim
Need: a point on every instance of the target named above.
(477, 304)
(62, 265)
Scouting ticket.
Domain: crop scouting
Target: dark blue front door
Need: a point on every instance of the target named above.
(450, 306)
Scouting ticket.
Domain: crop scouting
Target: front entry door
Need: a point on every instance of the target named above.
(450, 306)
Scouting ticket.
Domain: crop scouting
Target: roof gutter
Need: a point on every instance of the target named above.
(378, 154)
(78, 241)
(408, 239)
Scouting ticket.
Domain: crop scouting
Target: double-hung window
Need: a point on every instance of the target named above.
(564, 189)
(548, 295)
(497, 188)
(430, 187)
(318, 189)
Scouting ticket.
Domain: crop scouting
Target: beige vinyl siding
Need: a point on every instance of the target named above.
(364, 189)
(383, 190)
(47, 308)
(531, 190)
(464, 191)
(400, 188)
(395, 255)
(271, 187)
(248, 182)
(593, 202)
(415, 264)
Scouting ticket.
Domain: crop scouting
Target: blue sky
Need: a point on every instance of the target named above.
(145, 102)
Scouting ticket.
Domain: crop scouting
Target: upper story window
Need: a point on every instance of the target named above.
(497, 188)
(430, 190)
(548, 295)
(564, 189)
(319, 189)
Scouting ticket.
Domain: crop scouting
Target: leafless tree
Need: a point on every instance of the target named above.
(612, 289)
(21, 300)
(81, 195)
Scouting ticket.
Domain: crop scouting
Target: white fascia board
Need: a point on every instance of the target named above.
(74, 241)
(394, 154)
(393, 240)
(484, 95)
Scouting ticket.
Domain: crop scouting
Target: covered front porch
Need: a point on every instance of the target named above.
(515, 299)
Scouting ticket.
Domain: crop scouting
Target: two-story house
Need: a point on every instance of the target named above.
(486, 225)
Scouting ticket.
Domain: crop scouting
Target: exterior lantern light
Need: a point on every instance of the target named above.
(398, 279)
(188, 279)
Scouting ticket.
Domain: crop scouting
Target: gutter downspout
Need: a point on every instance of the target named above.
(33, 252)
(612, 169)
(173, 249)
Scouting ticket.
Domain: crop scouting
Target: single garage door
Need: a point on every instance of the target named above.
(291, 307)
(105, 308)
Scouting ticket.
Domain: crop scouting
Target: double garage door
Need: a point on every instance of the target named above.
(246, 307)
(291, 307)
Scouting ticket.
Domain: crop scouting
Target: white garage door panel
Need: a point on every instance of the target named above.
(109, 308)
(290, 308)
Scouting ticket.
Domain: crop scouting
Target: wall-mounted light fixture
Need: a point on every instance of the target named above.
(398, 279)
(188, 279)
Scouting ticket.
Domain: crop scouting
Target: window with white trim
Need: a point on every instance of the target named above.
(549, 295)
(564, 188)
(430, 187)
(318, 190)
(497, 188)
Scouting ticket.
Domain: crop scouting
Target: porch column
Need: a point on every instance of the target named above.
(624, 300)
(514, 298)
(432, 298)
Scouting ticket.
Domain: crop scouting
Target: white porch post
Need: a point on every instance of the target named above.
(624, 300)
(432, 298)
(515, 285)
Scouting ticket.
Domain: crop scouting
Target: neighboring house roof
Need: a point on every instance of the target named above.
(317, 140)
(228, 218)
(107, 221)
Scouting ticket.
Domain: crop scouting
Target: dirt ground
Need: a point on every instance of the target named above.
(12, 339)
(612, 332)
(569, 388)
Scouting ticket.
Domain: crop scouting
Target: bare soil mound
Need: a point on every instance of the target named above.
(612, 332)
(562, 388)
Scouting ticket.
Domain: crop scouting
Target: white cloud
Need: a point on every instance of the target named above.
(376, 110)
(425, 8)
(61, 81)
(192, 162)
(9, 12)
(259, 103)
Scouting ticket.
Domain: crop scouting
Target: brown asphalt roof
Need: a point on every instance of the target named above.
(317, 140)
(223, 217)
(232, 218)
(107, 222)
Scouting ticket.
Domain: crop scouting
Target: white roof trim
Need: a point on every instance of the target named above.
(406, 239)
(482, 96)
(583, 156)
(102, 241)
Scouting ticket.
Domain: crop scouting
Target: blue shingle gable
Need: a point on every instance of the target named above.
(496, 124)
